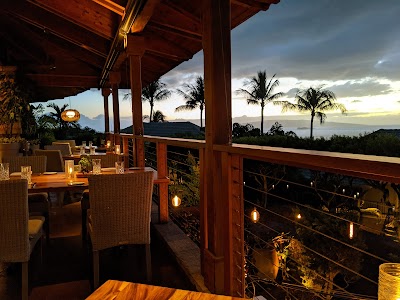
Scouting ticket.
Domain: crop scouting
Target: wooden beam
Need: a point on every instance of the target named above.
(144, 17)
(62, 28)
(52, 80)
(176, 31)
(183, 12)
(111, 6)
(260, 5)
(84, 13)
(159, 45)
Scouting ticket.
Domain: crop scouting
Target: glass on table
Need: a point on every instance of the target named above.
(92, 150)
(4, 171)
(119, 167)
(82, 150)
(96, 163)
(26, 173)
(83, 143)
(69, 169)
(90, 144)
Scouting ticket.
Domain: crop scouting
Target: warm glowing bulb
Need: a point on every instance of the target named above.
(71, 170)
(312, 183)
(344, 191)
(355, 196)
(70, 114)
(351, 230)
(298, 216)
(255, 215)
(273, 186)
(176, 201)
(108, 144)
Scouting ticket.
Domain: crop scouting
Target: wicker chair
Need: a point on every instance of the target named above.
(38, 163)
(38, 202)
(65, 148)
(108, 160)
(54, 159)
(120, 214)
(18, 232)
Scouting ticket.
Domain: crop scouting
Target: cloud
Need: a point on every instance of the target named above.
(369, 87)
(320, 40)
(291, 93)
(356, 101)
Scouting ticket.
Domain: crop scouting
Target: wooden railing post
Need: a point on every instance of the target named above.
(162, 171)
(125, 150)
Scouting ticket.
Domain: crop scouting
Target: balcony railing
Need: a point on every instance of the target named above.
(327, 220)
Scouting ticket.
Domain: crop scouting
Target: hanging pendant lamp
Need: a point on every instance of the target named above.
(70, 115)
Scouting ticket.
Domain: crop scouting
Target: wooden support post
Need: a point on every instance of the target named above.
(115, 79)
(203, 210)
(216, 19)
(106, 92)
(135, 50)
(125, 150)
(162, 171)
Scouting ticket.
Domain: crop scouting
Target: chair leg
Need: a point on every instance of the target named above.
(47, 227)
(24, 289)
(148, 263)
(96, 274)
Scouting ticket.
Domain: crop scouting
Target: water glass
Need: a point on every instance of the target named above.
(82, 150)
(119, 167)
(92, 150)
(96, 163)
(83, 143)
(4, 171)
(90, 144)
(26, 173)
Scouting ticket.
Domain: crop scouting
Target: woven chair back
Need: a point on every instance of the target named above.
(37, 163)
(108, 160)
(54, 160)
(14, 234)
(120, 209)
(65, 148)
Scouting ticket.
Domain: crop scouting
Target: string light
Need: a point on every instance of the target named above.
(298, 216)
(312, 184)
(273, 186)
(176, 201)
(287, 186)
(344, 191)
(351, 230)
(255, 215)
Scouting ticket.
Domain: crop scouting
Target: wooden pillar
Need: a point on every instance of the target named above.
(135, 50)
(115, 79)
(162, 171)
(106, 92)
(217, 81)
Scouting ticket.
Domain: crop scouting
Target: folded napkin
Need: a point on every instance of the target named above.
(15, 174)
(107, 169)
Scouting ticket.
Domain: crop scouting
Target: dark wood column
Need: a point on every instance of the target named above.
(135, 50)
(216, 198)
(115, 79)
(106, 92)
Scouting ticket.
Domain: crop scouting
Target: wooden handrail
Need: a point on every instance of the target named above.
(358, 165)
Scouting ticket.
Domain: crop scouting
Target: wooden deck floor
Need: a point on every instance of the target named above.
(65, 270)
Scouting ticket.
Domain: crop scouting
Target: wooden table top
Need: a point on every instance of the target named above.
(58, 182)
(122, 290)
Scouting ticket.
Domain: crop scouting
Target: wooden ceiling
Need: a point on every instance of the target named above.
(62, 45)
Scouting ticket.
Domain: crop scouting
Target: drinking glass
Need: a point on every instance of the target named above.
(96, 163)
(90, 144)
(119, 167)
(92, 150)
(4, 171)
(83, 143)
(26, 173)
(82, 150)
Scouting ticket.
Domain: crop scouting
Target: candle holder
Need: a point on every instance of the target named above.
(69, 170)
(117, 149)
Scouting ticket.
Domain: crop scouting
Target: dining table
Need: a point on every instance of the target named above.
(123, 290)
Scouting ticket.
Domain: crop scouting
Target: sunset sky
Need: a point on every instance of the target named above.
(352, 47)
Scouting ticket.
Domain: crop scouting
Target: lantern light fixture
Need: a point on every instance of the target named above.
(255, 215)
(176, 201)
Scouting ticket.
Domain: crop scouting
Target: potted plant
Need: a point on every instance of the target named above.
(86, 164)
(14, 103)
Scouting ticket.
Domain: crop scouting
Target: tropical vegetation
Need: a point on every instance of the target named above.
(314, 100)
(194, 96)
(154, 92)
(260, 91)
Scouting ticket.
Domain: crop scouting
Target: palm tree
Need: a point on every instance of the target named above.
(316, 100)
(155, 91)
(54, 119)
(159, 117)
(194, 96)
(260, 93)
